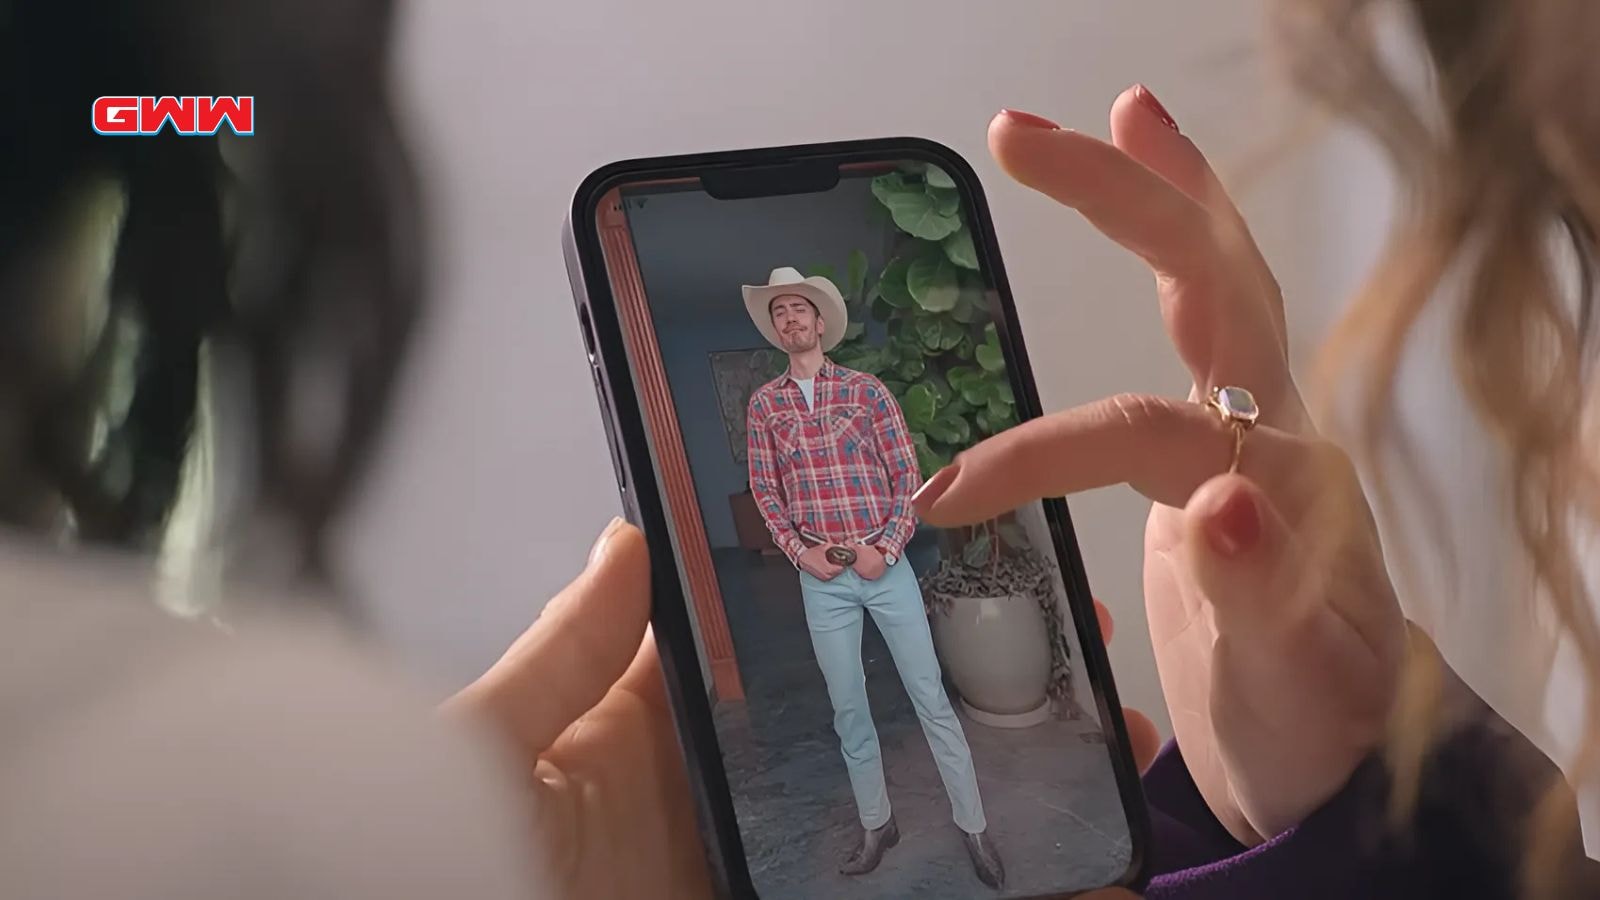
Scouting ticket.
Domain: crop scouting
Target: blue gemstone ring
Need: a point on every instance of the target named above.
(1239, 411)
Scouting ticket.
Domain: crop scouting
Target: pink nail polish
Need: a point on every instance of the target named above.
(1029, 120)
(1143, 95)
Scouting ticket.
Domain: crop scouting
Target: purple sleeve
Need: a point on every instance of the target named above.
(1466, 840)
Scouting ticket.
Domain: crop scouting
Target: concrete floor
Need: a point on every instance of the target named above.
(1048, 791)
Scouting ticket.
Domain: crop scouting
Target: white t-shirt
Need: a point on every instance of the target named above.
(808, 387)
(145, 758)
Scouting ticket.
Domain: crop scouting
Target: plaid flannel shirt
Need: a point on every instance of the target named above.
(840, 473)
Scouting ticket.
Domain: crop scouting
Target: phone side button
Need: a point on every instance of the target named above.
(611, 435)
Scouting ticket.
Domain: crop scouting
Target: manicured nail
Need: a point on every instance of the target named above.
(934, 487)
(1235, 528)
(1029, 120)
(1143, 95)
(599, 548)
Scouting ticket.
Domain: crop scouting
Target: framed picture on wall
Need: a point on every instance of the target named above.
(737, 374)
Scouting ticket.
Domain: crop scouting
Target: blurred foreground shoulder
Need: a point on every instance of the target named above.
(142, 757)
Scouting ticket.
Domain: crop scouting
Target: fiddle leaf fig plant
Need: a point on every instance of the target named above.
(936, 348)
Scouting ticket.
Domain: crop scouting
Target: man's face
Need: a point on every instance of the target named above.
(796, 320)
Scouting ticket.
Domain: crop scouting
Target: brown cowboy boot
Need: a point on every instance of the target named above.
(985, 859)
(870, 852)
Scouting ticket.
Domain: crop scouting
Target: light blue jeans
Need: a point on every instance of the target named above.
(834, 615)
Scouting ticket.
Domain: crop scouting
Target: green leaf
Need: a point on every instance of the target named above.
(1004, 393)
(986, 422)
(998, 409)
(897, 388)
(963, 348)
(976, 393)
(976, 553)
(959, 376)
(939, 177)
(920, 406)
(826, 271)
(957, 405)
(941, 387)
(988, 353)
(937, 334)
(949, 428)
(947, 202)
(990, 357)
(970, 307)
(1014, 535)
(913, 167)
(929, 459)
(886, 186)
(933, 284)
(960, 250)
(910, 369)
(855, 279)
(854, 330)
(892, 286)
(917, 214)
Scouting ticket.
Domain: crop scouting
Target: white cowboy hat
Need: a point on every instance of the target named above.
(820, 291)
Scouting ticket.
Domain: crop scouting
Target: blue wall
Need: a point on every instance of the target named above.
(685, 350)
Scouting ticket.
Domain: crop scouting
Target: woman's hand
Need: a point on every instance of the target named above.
(581, 694)
(1277, 633)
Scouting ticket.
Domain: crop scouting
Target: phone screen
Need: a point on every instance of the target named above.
(805, 361)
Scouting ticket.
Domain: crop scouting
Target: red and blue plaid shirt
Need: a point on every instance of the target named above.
(840, 472)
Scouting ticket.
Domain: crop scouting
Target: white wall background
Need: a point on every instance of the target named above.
(498, 480)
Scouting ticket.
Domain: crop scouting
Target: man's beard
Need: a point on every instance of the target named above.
(799, 341)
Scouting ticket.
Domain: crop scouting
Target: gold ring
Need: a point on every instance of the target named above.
(1238, 410)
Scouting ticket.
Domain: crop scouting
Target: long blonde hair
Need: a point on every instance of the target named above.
(1498, 158)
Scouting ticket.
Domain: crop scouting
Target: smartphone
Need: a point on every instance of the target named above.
(785, 344)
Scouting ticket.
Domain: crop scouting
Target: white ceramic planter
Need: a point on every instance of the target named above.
(997, 652)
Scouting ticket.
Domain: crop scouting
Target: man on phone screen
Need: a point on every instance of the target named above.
(833, 469)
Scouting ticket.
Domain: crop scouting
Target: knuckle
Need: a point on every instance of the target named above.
(1144, 412)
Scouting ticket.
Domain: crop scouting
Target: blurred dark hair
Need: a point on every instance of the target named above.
(295, 251)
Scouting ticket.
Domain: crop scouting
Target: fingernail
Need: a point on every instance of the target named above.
(934, 487)
(1143, 95)
(599, 548)
(1029, 120)
(1235, 528)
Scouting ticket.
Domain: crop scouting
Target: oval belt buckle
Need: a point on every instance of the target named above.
(841, 556)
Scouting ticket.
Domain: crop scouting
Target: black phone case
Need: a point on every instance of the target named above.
(751, 173)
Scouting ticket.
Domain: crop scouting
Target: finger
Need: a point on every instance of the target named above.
(1103, 616)
(1210, 292)
(1122, 198)
(1163, 448)
(1300, 688)
(1263, 580)
(1142, 127)
(580, 645)
(644, 678)
(1143, 738)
